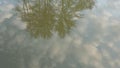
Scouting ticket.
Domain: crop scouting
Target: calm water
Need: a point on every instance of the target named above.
(59, 34)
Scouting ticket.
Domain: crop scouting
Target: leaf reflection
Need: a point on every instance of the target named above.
(45, 17)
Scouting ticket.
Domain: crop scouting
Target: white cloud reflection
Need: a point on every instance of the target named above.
(5, 11)
(94, 42)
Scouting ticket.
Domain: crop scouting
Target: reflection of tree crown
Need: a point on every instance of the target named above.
(44, 17)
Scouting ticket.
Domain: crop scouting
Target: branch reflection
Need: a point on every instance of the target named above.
(45, 17)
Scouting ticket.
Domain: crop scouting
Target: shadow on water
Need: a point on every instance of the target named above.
(45, 17)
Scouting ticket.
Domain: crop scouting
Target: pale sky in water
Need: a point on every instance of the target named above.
(95, 41)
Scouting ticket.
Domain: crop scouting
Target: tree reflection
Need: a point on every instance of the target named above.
(44, 17)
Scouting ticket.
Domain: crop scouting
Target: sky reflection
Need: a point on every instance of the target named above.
(93, 43)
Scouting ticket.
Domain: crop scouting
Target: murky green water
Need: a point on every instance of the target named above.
(59, 34)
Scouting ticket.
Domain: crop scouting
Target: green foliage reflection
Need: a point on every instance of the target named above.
(44, 17)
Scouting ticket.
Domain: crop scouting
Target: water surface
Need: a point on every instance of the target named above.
(59, 34)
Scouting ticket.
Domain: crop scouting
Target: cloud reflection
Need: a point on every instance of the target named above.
(94, 43)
